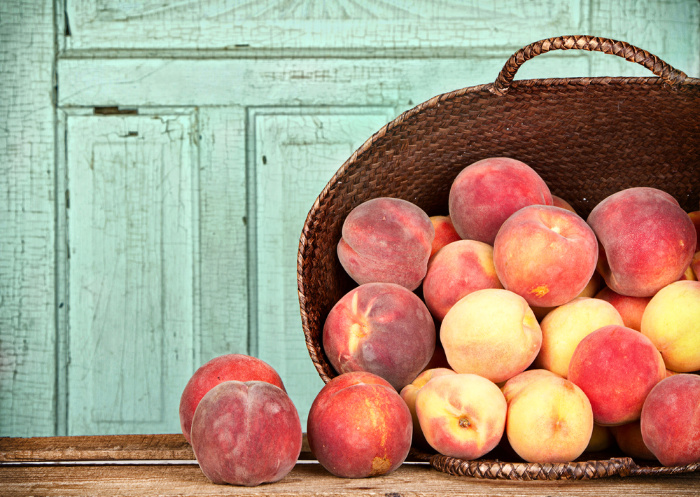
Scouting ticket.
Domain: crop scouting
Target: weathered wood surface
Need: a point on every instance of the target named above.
(104, 448)
(311, 479)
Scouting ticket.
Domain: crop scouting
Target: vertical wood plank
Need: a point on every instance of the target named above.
(27, 318)
(296, 152)
(223, 233)
(131, 233)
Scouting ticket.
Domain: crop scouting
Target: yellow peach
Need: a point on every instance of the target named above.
(461, 415)
(492, 333)
(671, 321)
(564, 327)
(549, 421)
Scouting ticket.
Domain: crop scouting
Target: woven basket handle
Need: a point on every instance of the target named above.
(593, 44)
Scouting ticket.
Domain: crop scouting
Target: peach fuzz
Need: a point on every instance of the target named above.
(386, 240)
(459, 269)
(246, 433)
(670, 421)
(560, 202)
(444, 233)
(484, 194)
(545, 254)
(671, 321)
(646, 240)
(461, 415)
(358, 426)
(588, 291)
(409, 393)
(629, 439)
(616, 367)
(492, 333)
(630, 308)
(381, 328)
(564, 327)
(549, 420)
(227, 367)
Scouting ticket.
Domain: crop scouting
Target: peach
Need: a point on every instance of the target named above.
(695, 265)
(439, 359)
(646, 240)
(689, 274)
(386, 240)
(517, 383)
(492, 333)
(485, 193)
(629, 439)
(601, 439)
(545, 254)
(588, 291)
(616, 367)
(459, 269)
(560, 202)
(246, 433)
(670, 421)
(227, 367)
(444, 233)
(358, 426)
(549, 420)
(381, 328)
(671, 321)
(461, 415)
(409, 393)
(564, 327)
(630, 308)
(695, 218)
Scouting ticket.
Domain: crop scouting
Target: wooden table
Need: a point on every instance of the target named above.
(164, 465)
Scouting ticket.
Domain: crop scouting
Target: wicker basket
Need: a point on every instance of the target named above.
(586, 137)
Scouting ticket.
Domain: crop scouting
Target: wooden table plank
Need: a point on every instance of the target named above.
(164, 465)
(310, 479)
(104, 448)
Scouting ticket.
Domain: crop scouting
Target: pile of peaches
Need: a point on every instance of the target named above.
(508, 322)
(511, 320)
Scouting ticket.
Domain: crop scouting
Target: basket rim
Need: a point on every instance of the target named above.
(437, 100)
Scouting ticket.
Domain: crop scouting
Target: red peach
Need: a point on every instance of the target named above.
(630, 308)
(616, 367)
(459, 269)
(670, 421)
(227, 367)
(381, 328)
(629, 439)
(246, 433)
(444, 233)
(386, 240)
(545, 254)
(485, 193)
(359, 426)
(646, 240)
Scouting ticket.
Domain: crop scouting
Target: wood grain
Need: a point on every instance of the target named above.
(104, 448)
(312, 480)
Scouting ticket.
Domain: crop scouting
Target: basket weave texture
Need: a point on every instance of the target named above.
(586, 137)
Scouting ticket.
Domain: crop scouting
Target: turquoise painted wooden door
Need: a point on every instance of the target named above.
(160, 159)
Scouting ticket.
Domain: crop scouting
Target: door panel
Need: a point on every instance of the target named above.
(131, 232)
(386, 25)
